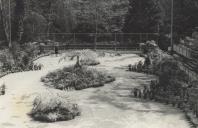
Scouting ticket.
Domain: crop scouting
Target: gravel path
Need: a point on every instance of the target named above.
(107, 107)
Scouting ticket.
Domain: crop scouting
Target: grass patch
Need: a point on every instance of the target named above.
(52, 107)
(76, 78)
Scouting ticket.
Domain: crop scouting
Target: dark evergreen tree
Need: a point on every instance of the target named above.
(143, 17)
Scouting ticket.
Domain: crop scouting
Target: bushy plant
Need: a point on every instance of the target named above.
(76, 78)
(147, 62)
(171, 77)
(2, 89)
(87, 57)
(18, 58)
(7, 60)
(51, 107)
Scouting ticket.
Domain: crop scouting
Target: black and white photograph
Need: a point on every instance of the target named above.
(98, 63)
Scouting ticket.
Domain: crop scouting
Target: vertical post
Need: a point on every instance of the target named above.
(10, 26)
(33, 28)
(96, 25)
(115, 40)
(140, 37)
(54, 37)
(49, 20)
(95, 41)
(158, 33)
(172, 5)
(122, 38)
(74, 37)
(147, 37)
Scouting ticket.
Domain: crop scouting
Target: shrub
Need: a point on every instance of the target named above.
(51, 107)
(147, 62)
(7, 60)
(19, 58)
(76, 78)
(87, 57)
(140, 66)
(171, 77)
(2, 89)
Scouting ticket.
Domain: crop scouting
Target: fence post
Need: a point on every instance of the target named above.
(147, 37)
(54, 37)
(122, 39)
(140, 37)
(74, 38)
(95, 41)
(115, 42)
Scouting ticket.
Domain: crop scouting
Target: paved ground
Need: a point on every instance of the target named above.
(107, 107)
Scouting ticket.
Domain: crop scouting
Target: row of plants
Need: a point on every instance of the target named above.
(141, 67)
(173, 85)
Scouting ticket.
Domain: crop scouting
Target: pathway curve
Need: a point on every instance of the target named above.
(107, 107)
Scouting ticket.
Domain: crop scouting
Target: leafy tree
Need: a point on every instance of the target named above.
(107, 14)
(117, 14)
(143, 17)
(34, 23)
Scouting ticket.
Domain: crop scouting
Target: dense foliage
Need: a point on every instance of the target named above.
(62, 16)
(76, 78)
(171, 77)
(19, 58)
(51, 107)
(143, 17)
(184, 18)
(34, 19)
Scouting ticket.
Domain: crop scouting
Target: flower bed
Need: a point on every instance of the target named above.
(76, 78)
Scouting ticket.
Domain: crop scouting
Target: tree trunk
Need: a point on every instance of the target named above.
(77, 65)
(4, 11)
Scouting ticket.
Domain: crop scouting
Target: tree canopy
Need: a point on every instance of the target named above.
(34, 17)
(143, 17)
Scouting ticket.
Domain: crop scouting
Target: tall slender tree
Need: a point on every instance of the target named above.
(17, 23)
(11, 12)
(5, 20)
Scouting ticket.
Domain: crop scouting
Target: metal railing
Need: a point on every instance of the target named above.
(104, 38)
(90, 46)
(191, 60)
